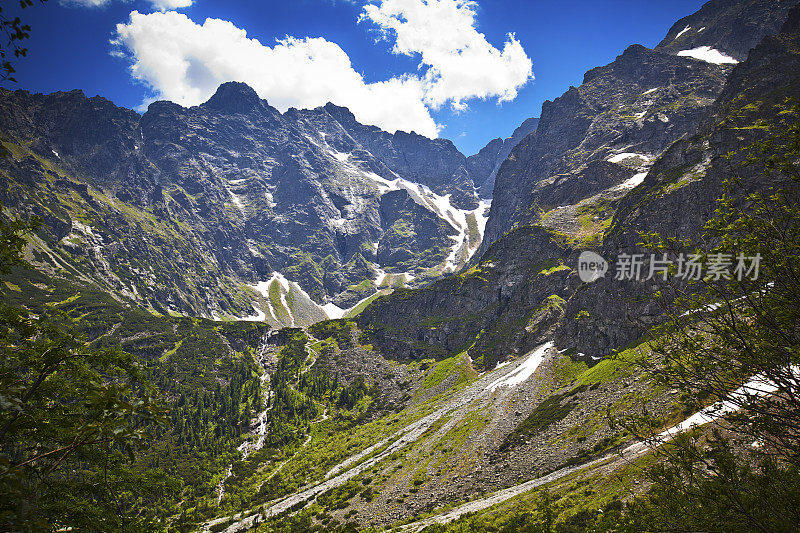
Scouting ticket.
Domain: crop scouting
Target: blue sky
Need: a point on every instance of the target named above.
(427, 65)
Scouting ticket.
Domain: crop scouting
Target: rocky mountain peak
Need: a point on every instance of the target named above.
(234, 97)
(341, 114)
(488, 160)
(732, 27)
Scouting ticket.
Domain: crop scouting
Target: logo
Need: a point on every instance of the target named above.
(591, 266)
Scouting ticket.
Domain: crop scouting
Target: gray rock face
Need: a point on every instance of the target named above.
(639, 104)
(504, 306)
(643, 141)
(488, 160)
(250, 190)
(733, 27)
(679, 194)
(412, 234)
(436, 163)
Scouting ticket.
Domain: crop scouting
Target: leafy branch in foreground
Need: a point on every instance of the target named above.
(732, 346)
(14, 33)
(68, 415)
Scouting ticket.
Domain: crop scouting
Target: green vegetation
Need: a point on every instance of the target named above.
(276, 301)
(123, 417)
(473, 231)
(703, 480)
(594, 219)
(341, 331)
(553, 270)
(619, 365)
(355, 311)
(72, 418)
(583, 502)
(204, 370)
(719, 335)
(566, 369)
(457, 365)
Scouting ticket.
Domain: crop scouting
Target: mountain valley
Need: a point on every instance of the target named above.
(357, 330)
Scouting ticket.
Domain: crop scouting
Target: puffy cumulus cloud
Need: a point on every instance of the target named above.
(168, 5)
(185, 62)
(460, 63)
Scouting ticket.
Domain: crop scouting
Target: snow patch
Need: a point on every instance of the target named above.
(237, 201)
(523, 371)
(333, 310)
(633, 181)
(251, 245)
(482, 216)
(342, 157)
(618, 158)
(501, 365)
(461, 241)
(684, 30)
(648, 91)
(258, 317)
(263, 288)
(441, 207)
(284, 288)
(757, 386)
(83, 228)
(709, 55)
(380, 277)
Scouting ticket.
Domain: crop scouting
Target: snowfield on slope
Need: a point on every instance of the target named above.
(709, 55)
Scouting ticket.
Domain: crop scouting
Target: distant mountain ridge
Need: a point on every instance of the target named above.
(488, 160)
(242, 191)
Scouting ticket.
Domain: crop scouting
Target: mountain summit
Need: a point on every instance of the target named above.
(237, 195)
(234, 97)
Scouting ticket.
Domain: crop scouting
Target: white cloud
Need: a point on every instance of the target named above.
(168, 5)
(185, 62)
(460, 62)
